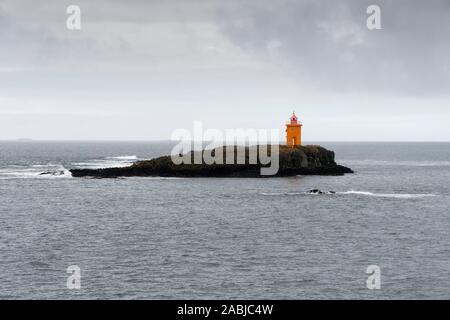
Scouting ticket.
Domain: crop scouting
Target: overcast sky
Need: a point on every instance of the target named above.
(139, 69)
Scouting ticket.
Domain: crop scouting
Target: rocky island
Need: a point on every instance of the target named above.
(292, 161)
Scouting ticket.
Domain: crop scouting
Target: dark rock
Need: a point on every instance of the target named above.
(315, 191)
(52, 173)
(318, 191)
(300, 160)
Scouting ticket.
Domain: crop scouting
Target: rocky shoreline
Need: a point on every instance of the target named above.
(299, 160)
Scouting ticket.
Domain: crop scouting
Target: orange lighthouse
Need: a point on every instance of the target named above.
(293, 132)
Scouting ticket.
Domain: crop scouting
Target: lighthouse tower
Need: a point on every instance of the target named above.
(293, 132)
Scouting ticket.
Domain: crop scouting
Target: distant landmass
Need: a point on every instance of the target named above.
(293, 160)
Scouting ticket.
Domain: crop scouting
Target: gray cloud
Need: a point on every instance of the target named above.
(327, 44)
(224, 62)
(324, 44)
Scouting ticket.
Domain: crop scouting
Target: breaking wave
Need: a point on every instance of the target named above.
(389, 195)
(42, 171)
(396, 163)
(353, 192)
(55, 170)
(124, 158)
(108, 162)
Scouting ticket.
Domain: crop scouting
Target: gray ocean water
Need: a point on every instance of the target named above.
(160, 238)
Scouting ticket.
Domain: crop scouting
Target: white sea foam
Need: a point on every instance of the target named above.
(403, 163)
(55, 170)
(353, 192)
(124, 158)
(108, 162)
(41, 171)
(389, 195)
(100, 164)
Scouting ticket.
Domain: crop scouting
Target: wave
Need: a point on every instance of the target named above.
(100, 164)
(38, 171)
(390, 195)
(396, 163)
(55, 170)
(124, 158)
(353, 192)
(108, 162)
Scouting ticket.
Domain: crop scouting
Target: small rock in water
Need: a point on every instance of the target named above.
(52, 173)
(318, 191)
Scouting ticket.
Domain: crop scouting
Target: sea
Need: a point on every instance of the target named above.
(224, 238)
